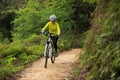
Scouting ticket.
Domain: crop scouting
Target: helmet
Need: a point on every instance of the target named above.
(52, 17)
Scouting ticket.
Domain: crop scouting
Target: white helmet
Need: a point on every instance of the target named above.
(52, 17)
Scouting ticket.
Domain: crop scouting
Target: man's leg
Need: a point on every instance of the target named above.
(55, 45)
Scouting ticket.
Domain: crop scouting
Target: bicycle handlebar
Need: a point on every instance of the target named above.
(50, 34)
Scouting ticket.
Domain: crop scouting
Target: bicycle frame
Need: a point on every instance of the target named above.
(49, 50)
(49, 45)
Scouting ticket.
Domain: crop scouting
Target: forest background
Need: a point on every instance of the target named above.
(89, 24)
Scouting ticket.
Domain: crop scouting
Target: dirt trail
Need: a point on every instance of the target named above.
(60, 70)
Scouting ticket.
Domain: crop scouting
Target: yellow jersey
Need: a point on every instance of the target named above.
(52, 27)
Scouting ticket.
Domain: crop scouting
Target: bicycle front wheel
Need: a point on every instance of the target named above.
(46, 57)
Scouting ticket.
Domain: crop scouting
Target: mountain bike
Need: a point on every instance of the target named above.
(49, 50)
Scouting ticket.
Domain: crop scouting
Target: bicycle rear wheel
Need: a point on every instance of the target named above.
(52, 58)
(53, 55)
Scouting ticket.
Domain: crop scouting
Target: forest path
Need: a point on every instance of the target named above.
(60, 70)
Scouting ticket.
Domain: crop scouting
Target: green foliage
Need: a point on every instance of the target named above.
(91, 1)
(76, 72)
(102, 44)
(34, 16)
(7, 13)
(62, 9)
(13, 56)
(27, 22)
(71, 41)
(26, 45)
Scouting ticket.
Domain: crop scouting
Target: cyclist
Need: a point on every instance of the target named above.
(53, 27)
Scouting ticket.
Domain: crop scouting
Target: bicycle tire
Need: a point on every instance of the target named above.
(46, 57)
(53, 55)
(52, 58)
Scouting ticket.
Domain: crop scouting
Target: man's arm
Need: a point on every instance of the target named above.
(58, 29)
(45, 27)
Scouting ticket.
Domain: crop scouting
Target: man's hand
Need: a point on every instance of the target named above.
(42, 31)
(57, 34)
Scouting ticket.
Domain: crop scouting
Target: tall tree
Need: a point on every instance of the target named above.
(71, 14)
(36, 14)
(7, 13)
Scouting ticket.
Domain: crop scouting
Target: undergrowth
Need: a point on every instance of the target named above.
(102, 44)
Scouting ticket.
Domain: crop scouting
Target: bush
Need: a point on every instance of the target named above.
(13, 56)
(102, 44)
